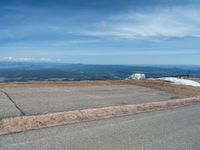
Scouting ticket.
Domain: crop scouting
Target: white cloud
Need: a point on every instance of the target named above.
(157, 23)
(28, 59)
(154, 23)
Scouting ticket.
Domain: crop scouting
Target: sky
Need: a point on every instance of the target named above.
(101, 31)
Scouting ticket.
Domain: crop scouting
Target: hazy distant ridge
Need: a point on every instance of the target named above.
(33, 71)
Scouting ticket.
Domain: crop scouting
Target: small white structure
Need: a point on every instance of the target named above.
(136, 76)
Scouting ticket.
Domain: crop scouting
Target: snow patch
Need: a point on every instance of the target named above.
(136, 76)
(181, 81)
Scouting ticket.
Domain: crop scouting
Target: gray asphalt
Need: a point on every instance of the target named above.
(33, 101)
(174, 129)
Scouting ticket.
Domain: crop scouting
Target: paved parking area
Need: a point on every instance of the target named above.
(39, 100)
(7, 108)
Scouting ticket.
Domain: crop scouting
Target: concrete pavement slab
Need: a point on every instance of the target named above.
(7, 108)
(40, 100)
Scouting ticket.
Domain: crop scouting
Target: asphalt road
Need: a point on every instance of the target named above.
(159, 130)
(40, 100)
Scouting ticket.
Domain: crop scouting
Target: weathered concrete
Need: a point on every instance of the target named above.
(40, 100)
(7, 108)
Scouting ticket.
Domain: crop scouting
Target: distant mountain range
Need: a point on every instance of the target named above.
(40, 71)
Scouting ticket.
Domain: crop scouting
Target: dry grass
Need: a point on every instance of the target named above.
(17, 124)
(155, 84)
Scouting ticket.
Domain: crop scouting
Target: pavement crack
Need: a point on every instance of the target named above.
(15, 104)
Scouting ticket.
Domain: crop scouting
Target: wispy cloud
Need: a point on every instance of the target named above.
(158, 23)
(28, 59)
(33, 32)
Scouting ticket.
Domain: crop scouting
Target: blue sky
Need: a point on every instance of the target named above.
(101, 31)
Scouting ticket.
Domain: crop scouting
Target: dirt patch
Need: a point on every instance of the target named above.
(155, 84)
(18, 124)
